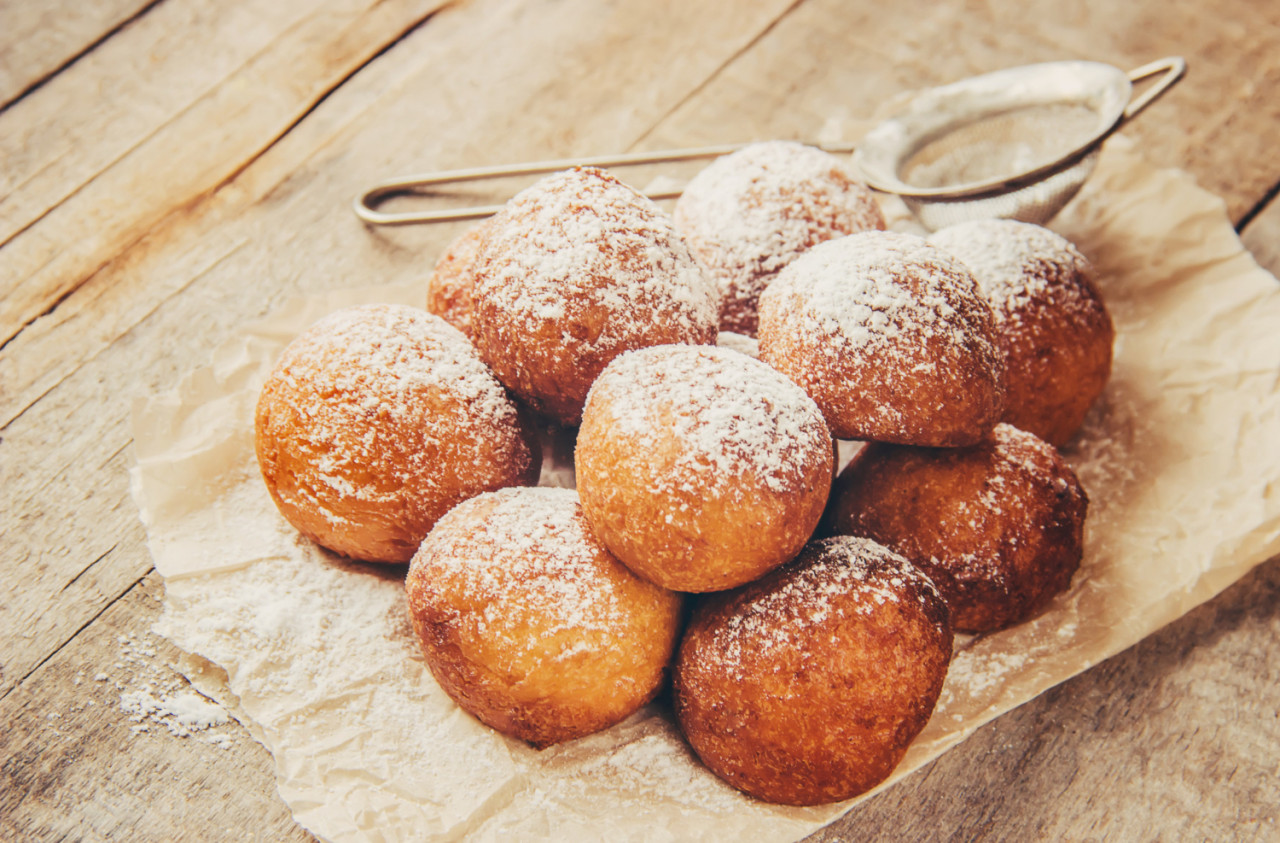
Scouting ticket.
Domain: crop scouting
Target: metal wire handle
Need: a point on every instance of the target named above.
(365, 204)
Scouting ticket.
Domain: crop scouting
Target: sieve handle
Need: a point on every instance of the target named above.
(365, 205)
(1173, 68)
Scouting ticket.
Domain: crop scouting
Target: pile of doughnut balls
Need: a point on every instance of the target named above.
(709, 360)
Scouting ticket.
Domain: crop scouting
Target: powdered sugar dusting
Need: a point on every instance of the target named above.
(891, 337)
(1017, 263)
(740, 343)
(831, 578)
(583, 237)
(732, 416)
(749, 214)
(880, 290)
(451, 283)
(368, 396)
(1022, 450)
(536, 537)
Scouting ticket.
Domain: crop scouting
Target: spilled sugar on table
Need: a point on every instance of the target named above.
(150, 151)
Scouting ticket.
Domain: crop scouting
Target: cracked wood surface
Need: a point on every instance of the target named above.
(194, 169)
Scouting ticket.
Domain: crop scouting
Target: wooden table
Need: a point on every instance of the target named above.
(175, 168)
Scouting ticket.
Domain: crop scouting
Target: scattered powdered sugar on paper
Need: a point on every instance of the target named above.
(729, 417)
(323, 652)
(973, 672)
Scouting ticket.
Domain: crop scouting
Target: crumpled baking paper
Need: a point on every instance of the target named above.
(1180, 458)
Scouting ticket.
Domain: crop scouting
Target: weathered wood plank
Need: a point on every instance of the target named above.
(209, 127)
(838, 62)
(74, 768)
(37, 39)
(282, 227)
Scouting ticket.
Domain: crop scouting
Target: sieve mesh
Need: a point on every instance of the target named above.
(1017, 143)
(1000, 146)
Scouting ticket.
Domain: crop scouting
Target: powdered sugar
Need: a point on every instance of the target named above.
(732, 418)
(519, 553)
(740, 343)
(751, 213)
(361, 407)
(577, 269)
(1016, 263)
(878, 290)
(890, 336)
(831, 578)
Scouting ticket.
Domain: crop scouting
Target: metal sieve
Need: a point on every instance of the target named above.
(1017, 143)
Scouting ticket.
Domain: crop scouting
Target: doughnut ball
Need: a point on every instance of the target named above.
(530, 625)
(998, 526)
(892, 338)
(699, 467)
(574, 271)
(751, 213)
(1051, 322)
(450, 285)
(808, 685)
(379, 419)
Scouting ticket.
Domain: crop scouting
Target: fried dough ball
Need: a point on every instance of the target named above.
(701, 468)
(998, 526)
(529, 624)
(574, 271)
(807, 686)
(378, 420)
(1052, 324)
(450, 286)
(751, 213)
(891, 337)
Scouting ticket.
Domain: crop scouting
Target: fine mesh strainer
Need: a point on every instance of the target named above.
(1017, 143)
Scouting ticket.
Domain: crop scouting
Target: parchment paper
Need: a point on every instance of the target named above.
(1180, 459)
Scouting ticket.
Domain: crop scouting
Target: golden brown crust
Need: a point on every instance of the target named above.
(1053, 326)
(450, 286)
(890, 336)
(998, 526)
(808, 685)
(530, 625)
(700, 468)
(749, 214)
(378, 420)
(574, 271)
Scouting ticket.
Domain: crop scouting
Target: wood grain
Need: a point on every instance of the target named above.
(209, 125)
(38, 39)
(832, 63)
(1137, 747)
(281, 227)
(75, 768)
